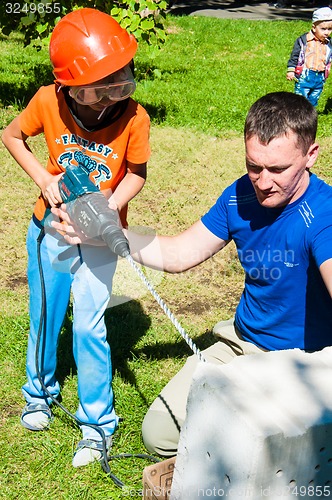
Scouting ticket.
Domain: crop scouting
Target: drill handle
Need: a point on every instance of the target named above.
(74, 183)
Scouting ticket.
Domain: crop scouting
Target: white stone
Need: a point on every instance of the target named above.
(258, 427)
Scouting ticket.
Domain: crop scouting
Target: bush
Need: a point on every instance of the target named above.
(36, 19)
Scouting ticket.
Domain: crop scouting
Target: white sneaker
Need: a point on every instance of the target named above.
(89, 450)
(36, 416)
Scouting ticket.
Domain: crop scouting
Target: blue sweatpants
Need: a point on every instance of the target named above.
(86, 272)
(310, 84)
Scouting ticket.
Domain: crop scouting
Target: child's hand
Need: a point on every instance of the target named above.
(290, 75)
(112, 204)
(51, 191)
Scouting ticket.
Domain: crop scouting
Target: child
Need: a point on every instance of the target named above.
(310, 60)
(87, 117)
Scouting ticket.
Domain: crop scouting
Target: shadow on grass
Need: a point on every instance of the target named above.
(156, 113)
(126, 325)
(179, 349)
(328, 107)
(66, 364)
(18, 93)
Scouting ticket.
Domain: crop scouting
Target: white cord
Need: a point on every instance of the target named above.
(166, 310)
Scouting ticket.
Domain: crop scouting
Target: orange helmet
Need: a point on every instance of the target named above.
(87, 45)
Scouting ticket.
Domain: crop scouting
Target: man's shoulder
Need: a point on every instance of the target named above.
(318, 185)
(240, 192)
(319, 195)
(243, 184)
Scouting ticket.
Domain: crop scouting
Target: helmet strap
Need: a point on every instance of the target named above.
(107, 116)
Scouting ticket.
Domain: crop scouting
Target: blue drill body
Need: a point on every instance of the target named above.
(88, 209)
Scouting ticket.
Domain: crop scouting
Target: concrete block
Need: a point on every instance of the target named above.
(258, 427)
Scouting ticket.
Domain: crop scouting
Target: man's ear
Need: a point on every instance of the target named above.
(312, 154)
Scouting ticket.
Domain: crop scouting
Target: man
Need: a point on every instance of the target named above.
(280, 218)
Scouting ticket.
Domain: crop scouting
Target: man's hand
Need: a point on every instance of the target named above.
(71, 234)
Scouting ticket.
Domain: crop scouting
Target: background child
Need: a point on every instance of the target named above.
(87, 118)
(310, 60)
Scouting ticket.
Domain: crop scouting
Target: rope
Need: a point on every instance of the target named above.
(166, 310)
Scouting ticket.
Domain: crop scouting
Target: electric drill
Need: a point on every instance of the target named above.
(88, 209)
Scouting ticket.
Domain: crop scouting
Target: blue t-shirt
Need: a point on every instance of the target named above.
(285, 303)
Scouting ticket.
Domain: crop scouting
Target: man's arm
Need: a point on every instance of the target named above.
(178, 253)
(173, 254)
(326, 272)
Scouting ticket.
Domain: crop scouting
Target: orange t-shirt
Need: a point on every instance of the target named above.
(105, 151)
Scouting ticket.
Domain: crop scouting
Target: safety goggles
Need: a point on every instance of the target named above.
(91, 94)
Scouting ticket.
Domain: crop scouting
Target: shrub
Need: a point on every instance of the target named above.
(36, 18)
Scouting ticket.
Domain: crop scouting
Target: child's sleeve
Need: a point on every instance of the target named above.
(294, 57)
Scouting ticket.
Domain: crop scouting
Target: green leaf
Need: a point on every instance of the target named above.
(115, 11)
(125, 23)
(41, 28)
(151, 5)
(129, 14)
(135, 22)
(138, 34)
(157, 73)
(133, 5)
(147, 24)
(27, 20)
(161, 34)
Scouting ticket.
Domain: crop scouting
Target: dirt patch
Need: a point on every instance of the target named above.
(15, 282)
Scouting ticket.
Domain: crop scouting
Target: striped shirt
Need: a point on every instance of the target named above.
(315, 54)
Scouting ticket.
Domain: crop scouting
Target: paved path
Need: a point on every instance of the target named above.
(235, 9)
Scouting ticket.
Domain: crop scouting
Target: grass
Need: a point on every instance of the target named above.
(146, 348)
(205, 77)
(197, 90)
